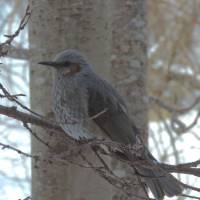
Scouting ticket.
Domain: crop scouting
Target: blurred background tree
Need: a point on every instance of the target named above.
(14, 169)
(173, 86)
(174, 80)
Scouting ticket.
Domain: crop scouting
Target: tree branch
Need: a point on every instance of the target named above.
(27, 118)
(4, 46)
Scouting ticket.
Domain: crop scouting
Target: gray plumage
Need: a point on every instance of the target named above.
(79, 94)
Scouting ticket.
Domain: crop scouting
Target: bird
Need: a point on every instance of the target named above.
(79, 94)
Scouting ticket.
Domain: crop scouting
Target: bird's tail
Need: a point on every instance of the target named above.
(160, 183)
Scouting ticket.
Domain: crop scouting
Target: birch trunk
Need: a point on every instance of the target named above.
(129, 68)
(59, 25)
(55, 26)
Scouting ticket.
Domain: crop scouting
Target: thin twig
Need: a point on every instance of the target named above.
(36, 136)
(28, 118)
(6, 146)
(10, 38)
(14, 99)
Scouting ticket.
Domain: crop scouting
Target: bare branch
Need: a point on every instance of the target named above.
(27, 118)
(14, 99)
(6, 146)
(4, 46)
(35, 135)
(171, 109)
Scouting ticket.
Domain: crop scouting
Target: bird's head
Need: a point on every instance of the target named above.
(68, 62)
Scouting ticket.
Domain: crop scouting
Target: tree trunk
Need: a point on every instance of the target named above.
(58, 25)
(55, 26)
(129, 66)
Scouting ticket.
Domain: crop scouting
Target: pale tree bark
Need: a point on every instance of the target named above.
(58, 25)
(129, 67)
(55, 26)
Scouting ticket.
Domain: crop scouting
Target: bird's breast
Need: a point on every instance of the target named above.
(70, 99)
(70, 106)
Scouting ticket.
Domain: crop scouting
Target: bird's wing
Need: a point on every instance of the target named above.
(106, 107)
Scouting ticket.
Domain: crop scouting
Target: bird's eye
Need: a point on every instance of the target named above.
(67, 64)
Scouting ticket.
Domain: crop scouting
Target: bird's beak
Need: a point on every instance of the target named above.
(51, 63)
